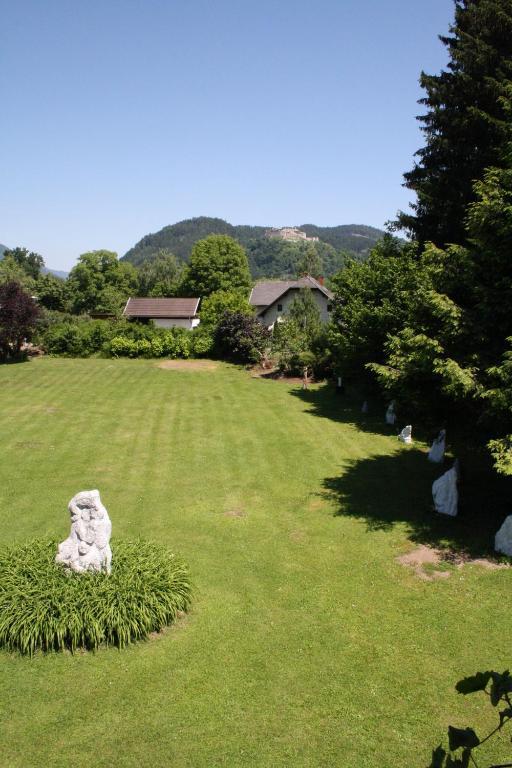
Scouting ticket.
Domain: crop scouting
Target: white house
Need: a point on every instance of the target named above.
(165, 313)
(272, 298)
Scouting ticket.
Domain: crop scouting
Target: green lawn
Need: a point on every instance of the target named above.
(307, 643)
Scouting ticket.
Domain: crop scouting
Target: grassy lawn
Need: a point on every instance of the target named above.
(308, 644)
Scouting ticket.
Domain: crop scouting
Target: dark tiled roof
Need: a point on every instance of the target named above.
(265, 293)
(139, 307)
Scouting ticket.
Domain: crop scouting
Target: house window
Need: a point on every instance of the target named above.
(329, 307)
(279, 307)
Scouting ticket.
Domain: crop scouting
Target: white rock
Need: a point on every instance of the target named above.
(390, 413)
(445, 493)
(406, 435)
(436, 453)
(503, 539)
(87, 547)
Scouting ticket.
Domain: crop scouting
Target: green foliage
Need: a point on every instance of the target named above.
(304, 311)
(214, 306)
(240, 337)
(160, 275)
(10, 271)
(217, 263)
(299, 339)
(373, 300)
(173, 343)
(52, 293)
(467, 122)
(310, 262)
(44, 608)
(463, 741)
(18, 318)
(83, 337)
(101, 283)
(31, 263)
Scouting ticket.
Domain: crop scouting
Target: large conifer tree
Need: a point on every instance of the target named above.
(466, 125)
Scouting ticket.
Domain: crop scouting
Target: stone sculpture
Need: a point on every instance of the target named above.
(390, 413)
(445, 492)
(406, 435)
(364, 408)
(503, 539)
(436, 453)
(87, 547)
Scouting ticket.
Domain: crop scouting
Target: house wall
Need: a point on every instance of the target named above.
(270, 316)
(176, 322)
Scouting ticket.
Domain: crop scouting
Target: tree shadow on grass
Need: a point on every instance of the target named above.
(388, 489)
(326, 403)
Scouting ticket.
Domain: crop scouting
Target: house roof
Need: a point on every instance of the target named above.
(143, 307)
(267, 292)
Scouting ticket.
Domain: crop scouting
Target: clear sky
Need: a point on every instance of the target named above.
(122, 116)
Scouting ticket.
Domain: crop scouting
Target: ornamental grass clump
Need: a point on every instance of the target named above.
(43, 607)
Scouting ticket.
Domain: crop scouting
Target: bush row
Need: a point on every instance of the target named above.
(83, 338)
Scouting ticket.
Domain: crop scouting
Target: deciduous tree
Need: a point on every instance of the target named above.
(18, 317)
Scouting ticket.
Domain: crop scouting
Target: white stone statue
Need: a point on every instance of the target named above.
(87, 547)
(406, 435)
(436, 453)
(364, 408)
(390, 413)
(503, 539)
(445, 492)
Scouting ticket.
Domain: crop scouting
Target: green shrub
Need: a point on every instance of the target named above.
(201, 340)
(43, 608)
(120, 346)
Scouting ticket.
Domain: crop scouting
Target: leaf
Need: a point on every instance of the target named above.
(462, 737)
(474, 683)
(438, 755)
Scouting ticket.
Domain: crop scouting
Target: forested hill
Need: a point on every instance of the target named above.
(267, 257)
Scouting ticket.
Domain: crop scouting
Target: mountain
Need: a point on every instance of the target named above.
(56, 272)
(268, 257)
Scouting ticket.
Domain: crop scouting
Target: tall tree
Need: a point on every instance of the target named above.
(217, 263)
(466, 125)
(160, 275)
(101, 283)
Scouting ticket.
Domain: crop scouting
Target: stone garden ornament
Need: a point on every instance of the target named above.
(87, 547)
(503, 539)
(406, 435)
(390, 413)
(445, 492)
(436, 453)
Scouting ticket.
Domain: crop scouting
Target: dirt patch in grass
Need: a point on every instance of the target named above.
(188, 365)
(235, 513)
(430, 564)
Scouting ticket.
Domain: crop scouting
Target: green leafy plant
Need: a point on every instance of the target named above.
(44, 608)
(463, 741)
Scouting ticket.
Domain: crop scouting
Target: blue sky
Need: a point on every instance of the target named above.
(122, 116)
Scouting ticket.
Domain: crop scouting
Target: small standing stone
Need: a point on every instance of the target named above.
(445, 492)
(436, 453)
(87, 547)
(406, 435)
(390, 413)
(503, 538)
(364, 408)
